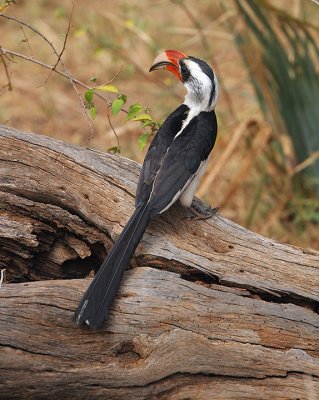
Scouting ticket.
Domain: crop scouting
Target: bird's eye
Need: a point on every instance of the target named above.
(184, 71)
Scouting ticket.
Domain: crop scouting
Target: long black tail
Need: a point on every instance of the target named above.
(95, 304)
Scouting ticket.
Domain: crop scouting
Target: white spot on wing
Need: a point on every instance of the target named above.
(2, 277)
(81, 312)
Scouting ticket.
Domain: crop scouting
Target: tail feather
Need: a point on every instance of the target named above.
(95, 304)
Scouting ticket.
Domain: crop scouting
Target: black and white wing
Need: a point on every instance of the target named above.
(157, 150)
(182, 161)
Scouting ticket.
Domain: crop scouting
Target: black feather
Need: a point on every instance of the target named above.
(157, 150)
(182, 160)
(95, 304)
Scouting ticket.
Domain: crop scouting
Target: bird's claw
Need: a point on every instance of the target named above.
(199, 210)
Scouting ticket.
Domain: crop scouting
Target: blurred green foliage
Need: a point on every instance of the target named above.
(286, 79)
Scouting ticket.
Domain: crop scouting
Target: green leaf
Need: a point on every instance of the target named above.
(93, 79)
(148, 123)
(142, 140)
(133, 110)
(117, 104)
(142, 117)
(114, 150)
(123, 97)
(92, 111)
(89, 96)
(107, 88)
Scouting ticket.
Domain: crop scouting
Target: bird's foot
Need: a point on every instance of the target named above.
(199, 210)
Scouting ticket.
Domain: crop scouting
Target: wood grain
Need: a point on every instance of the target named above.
(209, 309)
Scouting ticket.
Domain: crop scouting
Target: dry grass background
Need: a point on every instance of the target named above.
(243, 177)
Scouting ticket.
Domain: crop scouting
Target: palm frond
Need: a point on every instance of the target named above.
(282, 55)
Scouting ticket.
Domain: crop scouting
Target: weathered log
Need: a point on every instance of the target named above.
(209, 309)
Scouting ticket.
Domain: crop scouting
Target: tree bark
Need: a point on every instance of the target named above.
(209, 310)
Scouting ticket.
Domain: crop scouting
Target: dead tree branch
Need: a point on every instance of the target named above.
(208, 309)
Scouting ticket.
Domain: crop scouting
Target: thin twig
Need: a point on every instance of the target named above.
(6, 70)
(32, 29)
(72, 80)
(85, 109)
(63, 73)
(35, 61)
(26, 40)
(115, 76)
(63, 48)
(112, 127)
(4, 51)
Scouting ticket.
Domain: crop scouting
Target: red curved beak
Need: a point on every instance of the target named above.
(168, 59)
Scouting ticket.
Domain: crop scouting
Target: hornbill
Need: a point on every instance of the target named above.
(173, 165)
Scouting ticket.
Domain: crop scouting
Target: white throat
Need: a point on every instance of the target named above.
(199, 89)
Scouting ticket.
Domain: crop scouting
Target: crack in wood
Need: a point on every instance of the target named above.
(205, 303)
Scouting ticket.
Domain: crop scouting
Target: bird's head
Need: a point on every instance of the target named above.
(196, 75)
